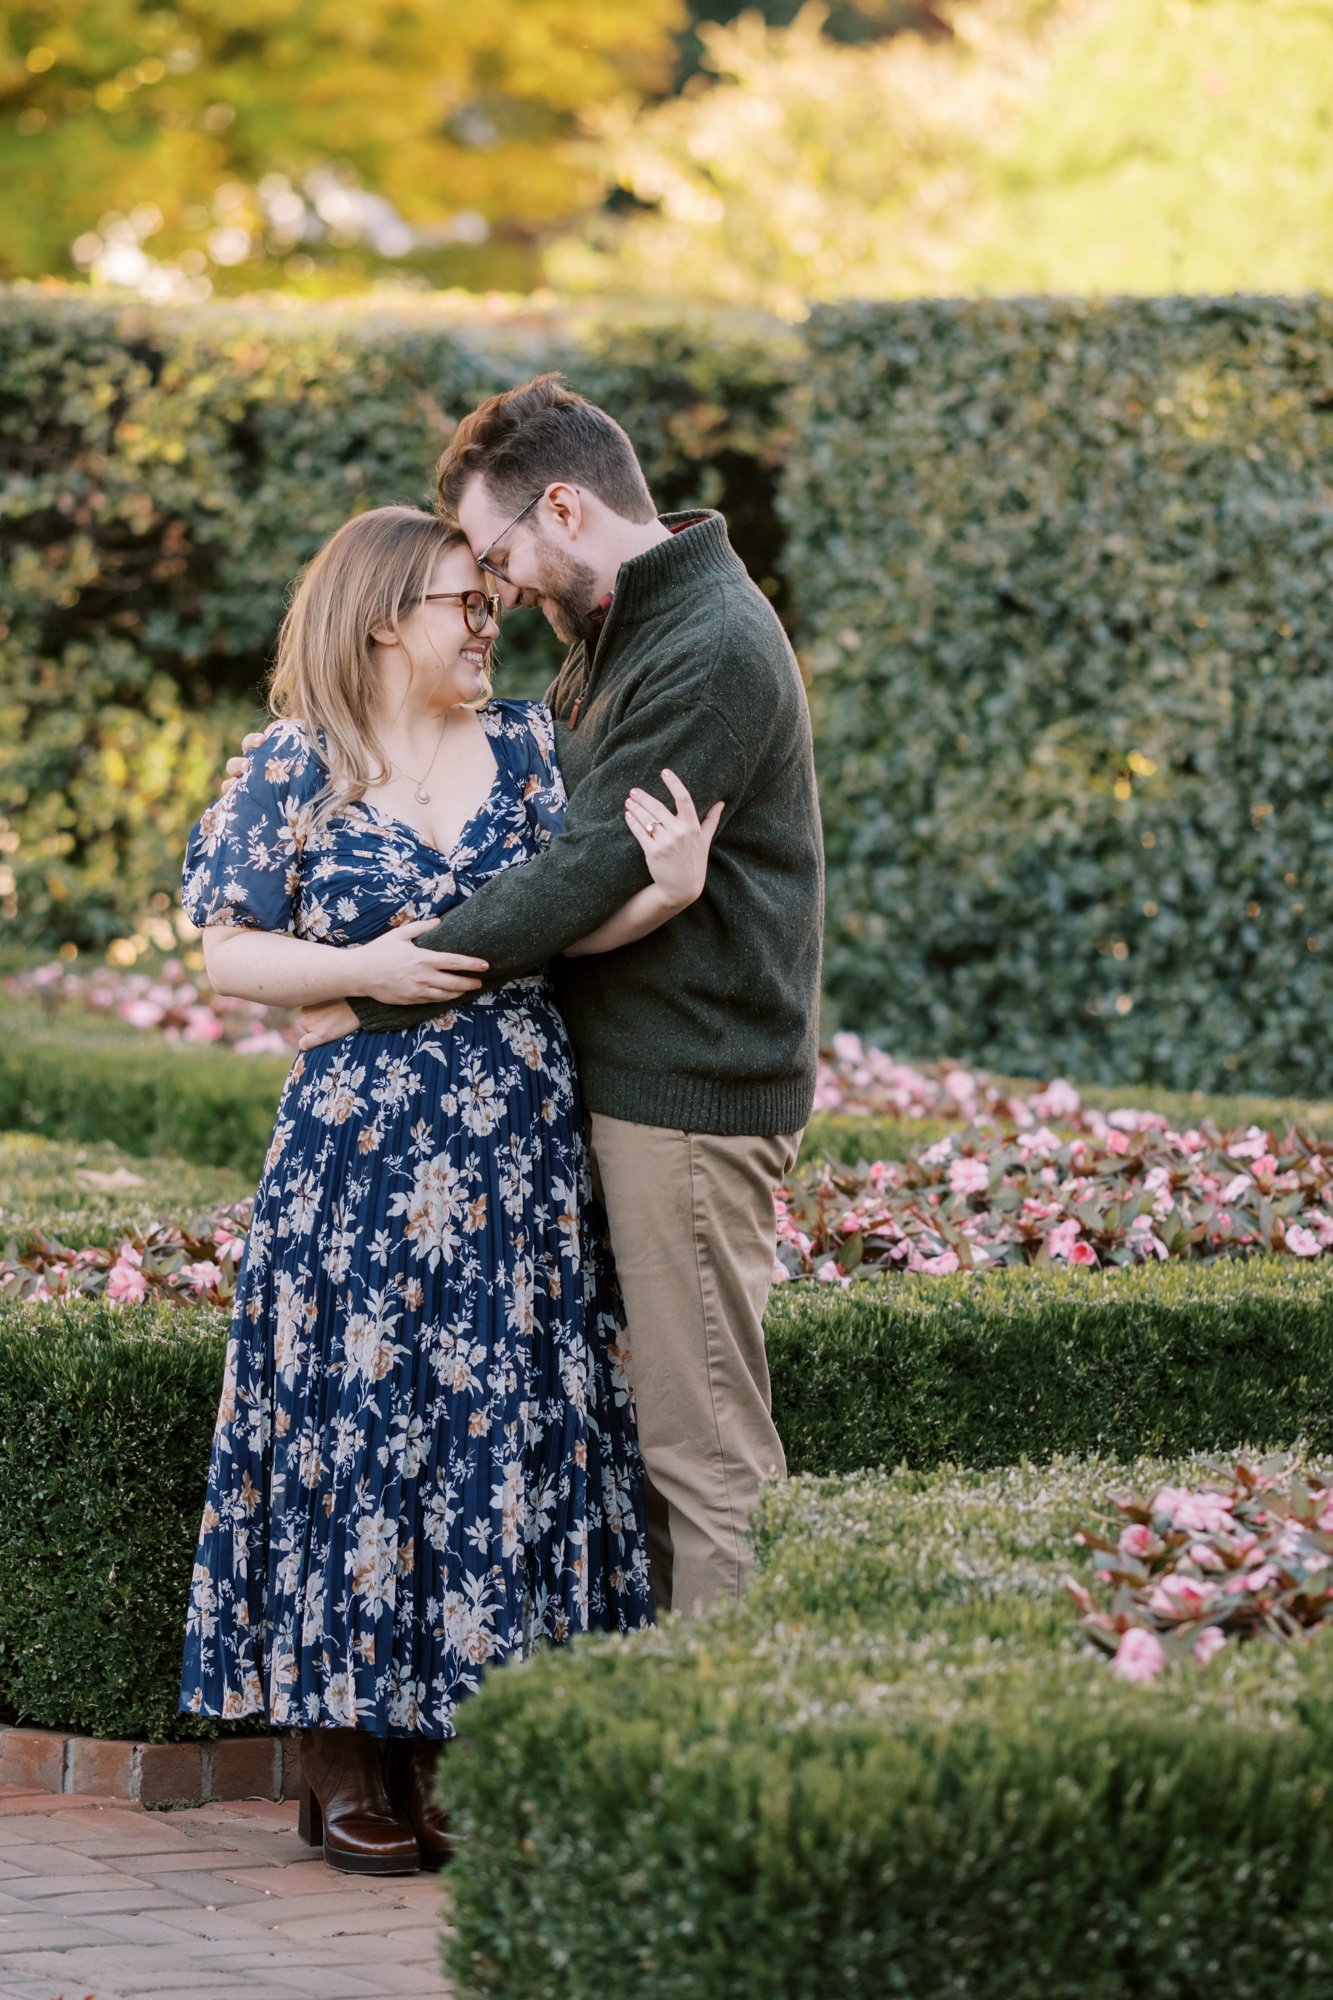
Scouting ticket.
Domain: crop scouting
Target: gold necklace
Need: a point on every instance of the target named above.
(421, 795)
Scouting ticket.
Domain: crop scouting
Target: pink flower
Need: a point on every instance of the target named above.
(1181, 1597)
(1300, 1241)
(1251, 1579)
(1139, 1656)
(1136, 1540)
(1060, 1241)
(969, 1176)
(1117, 1142)
(851, 1222)
(1210, 1641)
(1083, 1253)
(1204, 1514)
(941, 1266)
(830, 1273)
(1265, 1164)
(141, 1013)
(126, 1282)
(201, 1277)
(229, 1242)
(1058, 1100)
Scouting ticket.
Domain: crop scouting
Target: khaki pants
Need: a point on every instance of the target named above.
(693, 1233)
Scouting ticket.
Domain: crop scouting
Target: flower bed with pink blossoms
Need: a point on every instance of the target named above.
(1125, 1189)
(1195, 1571)
(183, 1264)
(166, 1002)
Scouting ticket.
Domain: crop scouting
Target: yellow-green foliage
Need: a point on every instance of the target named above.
(1175, 146)
(1064, 573)
(106, 1416)
(194, 130)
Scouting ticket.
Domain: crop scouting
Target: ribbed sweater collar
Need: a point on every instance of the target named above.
(658, 581)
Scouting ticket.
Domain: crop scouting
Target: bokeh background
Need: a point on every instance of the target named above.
(997, 329)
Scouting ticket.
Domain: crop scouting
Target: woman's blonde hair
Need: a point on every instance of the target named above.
(366, 578)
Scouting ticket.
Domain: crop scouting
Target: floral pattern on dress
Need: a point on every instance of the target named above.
(425, 1458)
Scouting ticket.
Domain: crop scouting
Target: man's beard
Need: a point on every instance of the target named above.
(569, 590)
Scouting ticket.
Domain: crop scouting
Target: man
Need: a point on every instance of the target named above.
(696, 1046)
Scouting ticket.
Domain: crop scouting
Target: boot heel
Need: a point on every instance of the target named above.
(309, 1818)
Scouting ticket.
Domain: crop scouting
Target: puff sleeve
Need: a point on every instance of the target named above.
(242, 863)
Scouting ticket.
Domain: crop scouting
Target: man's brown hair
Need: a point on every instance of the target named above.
(524, 438)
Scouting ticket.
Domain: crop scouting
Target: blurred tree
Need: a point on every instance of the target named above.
(847, 21)
(1113, 145)
(231, 142)
(810, 170)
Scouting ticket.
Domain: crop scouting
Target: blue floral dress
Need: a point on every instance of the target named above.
(425, 1457)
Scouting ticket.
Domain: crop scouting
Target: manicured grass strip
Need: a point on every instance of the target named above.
(101, 1081)
(1175, 1357)
(86, 1195)
(896, 1768)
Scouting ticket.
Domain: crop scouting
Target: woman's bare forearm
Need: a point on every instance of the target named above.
(279, 970)
(645, 912)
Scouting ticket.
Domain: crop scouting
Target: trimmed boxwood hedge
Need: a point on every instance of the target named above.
(896, 1769)
(74, 1078)
(95, 1079)
(1063, 574)
(106, 1417)
(1169, 1357)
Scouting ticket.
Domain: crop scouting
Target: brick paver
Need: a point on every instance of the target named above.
(102, 1900)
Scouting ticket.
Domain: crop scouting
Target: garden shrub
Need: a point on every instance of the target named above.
(106, 1417)
(896, 1768)
(1173, 1357)
(1063, 572)
(169, 472)
(70, 1078)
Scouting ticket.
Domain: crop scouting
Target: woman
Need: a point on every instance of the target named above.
(425, 1456)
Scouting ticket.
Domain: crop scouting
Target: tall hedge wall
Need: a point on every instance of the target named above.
(165, 475)
(1064, 573)
(1060, 573)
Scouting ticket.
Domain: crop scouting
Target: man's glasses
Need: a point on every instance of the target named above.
(479, 606)
(508, 529)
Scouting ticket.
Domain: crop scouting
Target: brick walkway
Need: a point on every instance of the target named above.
(105, 1901)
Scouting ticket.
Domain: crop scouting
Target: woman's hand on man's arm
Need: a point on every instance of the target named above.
(676, 846)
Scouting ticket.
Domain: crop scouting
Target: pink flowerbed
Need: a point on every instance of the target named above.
(1194, 1572)
(194, 1264)
(168, 1002)
(1039, 1178)
(1126, 1189)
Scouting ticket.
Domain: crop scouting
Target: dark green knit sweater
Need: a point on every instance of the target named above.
(710, 1024)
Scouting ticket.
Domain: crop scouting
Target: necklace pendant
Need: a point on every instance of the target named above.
(422, 797)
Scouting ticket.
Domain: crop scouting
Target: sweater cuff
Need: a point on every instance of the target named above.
(377, 1017)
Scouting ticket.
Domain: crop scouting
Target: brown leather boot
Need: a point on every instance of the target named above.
(343, 1804)
(411, 1764)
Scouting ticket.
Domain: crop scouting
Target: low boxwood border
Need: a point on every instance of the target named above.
(106, 1416)
(896, 1769)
